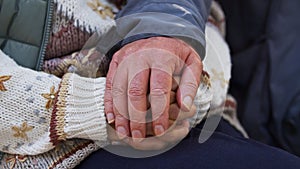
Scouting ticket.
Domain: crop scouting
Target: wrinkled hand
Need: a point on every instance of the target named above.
(178, 121)
(148, 66)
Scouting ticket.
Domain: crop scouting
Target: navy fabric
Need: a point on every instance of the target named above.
(226, 149)
(198, 9)
(195, 12)
(264, 37)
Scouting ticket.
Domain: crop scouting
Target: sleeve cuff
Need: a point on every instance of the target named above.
(202, 99)
(79, 110)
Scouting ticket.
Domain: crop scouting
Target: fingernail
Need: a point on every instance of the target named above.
(187, 102)
(159, 130)
(110, 118)
(137, 136)
(121, 132)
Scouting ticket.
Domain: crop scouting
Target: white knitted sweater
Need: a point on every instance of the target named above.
(39, 110)
(36, 114)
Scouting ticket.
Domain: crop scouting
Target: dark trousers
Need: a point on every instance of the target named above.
(226, 149)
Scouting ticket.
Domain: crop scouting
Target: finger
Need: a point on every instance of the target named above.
(176, 114)
(174, 111)
(190, 81)
(158, 143)
(172, 99)
(137, 104)
(175, 82)
(177, 133)
(160, 88)
(113, 137)
(119, 95)
(111, 133)
(151, 143)
(108, 100)
(149, 128)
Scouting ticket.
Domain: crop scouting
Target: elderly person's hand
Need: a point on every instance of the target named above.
(178, 121)
(148, 66)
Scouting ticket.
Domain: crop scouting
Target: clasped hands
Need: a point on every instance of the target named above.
(150, 88)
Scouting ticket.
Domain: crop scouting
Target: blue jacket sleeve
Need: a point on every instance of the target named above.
(183, 19)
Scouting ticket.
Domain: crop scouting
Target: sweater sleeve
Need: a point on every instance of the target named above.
(172, 18)
(37, 110)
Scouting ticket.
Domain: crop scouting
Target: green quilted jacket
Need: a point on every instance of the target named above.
(24, 28)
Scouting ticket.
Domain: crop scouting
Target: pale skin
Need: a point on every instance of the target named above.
(179, 128)
(149, 67)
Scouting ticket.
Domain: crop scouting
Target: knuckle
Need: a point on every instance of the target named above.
(199, 68)
(191, 85)
(197, 65)
(117, 56)
(118, 91)
(121, 118)
(136, 91)
(108, 83)
(159, 91)
(198, 62)
(136, 125)
(160, 117)
(108, 100)
(138, 119)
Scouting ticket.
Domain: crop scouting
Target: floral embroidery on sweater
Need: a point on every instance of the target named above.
(3, 79)
(22, 131)
(50, 97)
(219, 76)
(102, 10)
(12, 160)
(205, 78)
